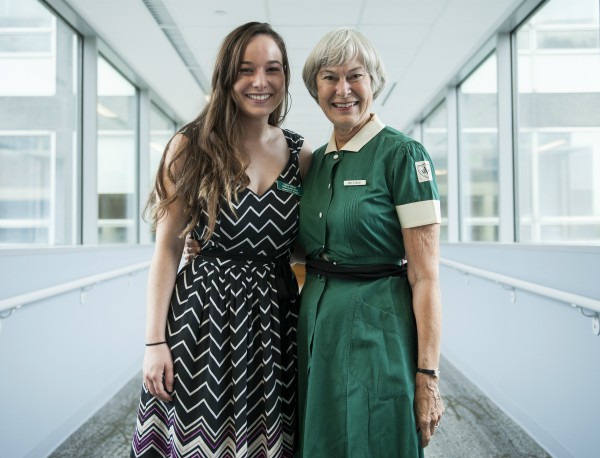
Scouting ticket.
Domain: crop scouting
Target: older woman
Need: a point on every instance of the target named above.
(369, 327)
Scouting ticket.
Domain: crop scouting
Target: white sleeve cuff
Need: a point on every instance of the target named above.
(419, 213)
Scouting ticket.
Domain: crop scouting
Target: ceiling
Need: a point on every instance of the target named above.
(423, 44)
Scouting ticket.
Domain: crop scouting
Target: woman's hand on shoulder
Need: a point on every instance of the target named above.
(305, 158)
(429, 406)
(158, 371)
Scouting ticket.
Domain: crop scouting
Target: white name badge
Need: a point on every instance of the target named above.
(355, 182)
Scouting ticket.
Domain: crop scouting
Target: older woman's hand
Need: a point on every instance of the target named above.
(429, 406)
(191, 248)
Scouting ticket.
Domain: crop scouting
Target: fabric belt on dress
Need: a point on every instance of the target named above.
(366, 272)
(285, 280)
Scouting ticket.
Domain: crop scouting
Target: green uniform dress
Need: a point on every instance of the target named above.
(357, 340)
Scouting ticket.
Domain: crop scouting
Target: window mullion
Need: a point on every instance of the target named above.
(89, 162)
(506, 142)
(453, 186)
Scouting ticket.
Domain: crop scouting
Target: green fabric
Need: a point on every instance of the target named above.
(357, 345)
(359, 224)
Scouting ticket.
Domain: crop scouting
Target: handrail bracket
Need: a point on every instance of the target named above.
(595, 316)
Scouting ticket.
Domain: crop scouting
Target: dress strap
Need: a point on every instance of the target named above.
(294, 141)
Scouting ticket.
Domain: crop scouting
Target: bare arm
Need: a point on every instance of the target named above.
(305, 158)
(161, 280)
(422, 252)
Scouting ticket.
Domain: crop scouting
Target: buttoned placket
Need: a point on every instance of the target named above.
(333, 159)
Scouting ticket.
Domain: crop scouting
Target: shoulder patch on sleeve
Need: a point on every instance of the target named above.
(423, 171)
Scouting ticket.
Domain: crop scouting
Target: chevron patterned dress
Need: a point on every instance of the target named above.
(233, 342)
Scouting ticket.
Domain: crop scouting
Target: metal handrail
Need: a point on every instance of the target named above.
(575, 300)
(552, 293)
(12, 303)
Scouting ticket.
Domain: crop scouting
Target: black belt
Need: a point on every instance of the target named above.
(366, 272)
(285, 280)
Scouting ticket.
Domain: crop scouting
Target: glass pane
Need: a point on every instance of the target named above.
(25, 42)
(558, 107)
(24, 14)
(478, 153)
(117, 167)
(39, 118)
(435, 140)
(557, 39)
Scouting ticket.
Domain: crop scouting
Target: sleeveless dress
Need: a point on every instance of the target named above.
(232, 336)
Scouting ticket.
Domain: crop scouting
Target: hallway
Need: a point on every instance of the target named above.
(472, 427)
(503, 95)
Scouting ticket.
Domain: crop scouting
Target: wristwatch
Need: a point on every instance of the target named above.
(433, 372)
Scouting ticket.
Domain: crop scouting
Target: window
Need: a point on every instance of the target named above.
(478, 150)
(558, 124)
(39, 115)
(435, 140)
(117, 154)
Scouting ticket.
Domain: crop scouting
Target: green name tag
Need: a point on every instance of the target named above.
(289, 188)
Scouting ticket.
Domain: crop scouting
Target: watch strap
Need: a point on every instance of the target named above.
(432, 372)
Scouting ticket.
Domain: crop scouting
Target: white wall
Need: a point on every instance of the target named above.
(61, 360)
(536, 358)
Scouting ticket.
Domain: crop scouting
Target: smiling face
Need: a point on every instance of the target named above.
(345, 96)
(260, 84)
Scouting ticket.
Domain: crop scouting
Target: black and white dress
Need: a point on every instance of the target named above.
(232, 336)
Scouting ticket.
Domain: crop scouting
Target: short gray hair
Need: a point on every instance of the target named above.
(339, 47)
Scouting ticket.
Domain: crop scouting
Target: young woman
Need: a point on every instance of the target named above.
(220, 363)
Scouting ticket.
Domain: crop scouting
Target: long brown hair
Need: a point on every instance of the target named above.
(212, 167)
